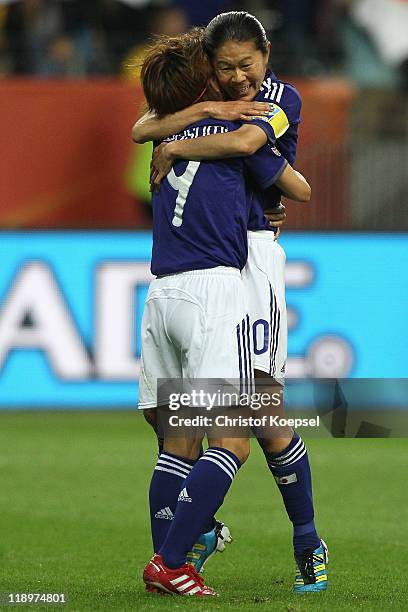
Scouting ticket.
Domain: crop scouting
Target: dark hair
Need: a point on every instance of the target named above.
(175, 72)
(239, 26)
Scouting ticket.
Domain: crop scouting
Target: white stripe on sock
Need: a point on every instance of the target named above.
(163, 469)
(223, 457)
(293, 460)
(186, 465)
(220, 465)
(293, 456)
(292, 450)
(174, 465)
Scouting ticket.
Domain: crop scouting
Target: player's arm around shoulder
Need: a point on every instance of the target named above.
(243, 141)
(246, 140)
(150, 127)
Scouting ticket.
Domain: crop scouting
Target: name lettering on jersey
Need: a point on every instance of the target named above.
(197, 132)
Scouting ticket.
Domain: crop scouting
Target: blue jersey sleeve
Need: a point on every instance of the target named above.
(286, 105)
(283, 95)
(274, 124)
(265, 166)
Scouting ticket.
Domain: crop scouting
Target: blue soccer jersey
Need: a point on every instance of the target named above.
(201, 211)
(281, 128)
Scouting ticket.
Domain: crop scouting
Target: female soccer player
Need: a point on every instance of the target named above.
(195, 324)
(239, 51)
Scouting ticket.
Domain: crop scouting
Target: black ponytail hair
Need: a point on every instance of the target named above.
(239, 26)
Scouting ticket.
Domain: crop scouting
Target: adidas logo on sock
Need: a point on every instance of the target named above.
(184, 496)
(164, 513)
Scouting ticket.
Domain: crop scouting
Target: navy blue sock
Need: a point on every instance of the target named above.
(203, 493)
(160, 443)
(211, 523)
(167, 480)
(291, 471)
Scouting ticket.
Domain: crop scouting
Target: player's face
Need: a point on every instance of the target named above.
(240, 69)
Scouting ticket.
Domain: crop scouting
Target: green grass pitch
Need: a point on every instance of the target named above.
(74, 519)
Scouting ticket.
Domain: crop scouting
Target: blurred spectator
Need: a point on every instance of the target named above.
(200, 13)
(5, 65)
(304, 36)
(169, 21)
(31, 27)
(390, 33)
(52, 38)
(123, 24)
(76, 38)
(388, 36)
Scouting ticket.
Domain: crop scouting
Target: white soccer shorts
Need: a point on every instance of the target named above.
(264, 278)
(195, 326)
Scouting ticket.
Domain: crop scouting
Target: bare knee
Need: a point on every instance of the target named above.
(239, 446)
(188, 448)
(276, 444)
(151, 417)
(272, 439)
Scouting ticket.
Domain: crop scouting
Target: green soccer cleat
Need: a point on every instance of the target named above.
(312, 573)
(208, 544)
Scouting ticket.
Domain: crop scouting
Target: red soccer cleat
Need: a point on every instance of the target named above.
(181, 581)
(152, 589)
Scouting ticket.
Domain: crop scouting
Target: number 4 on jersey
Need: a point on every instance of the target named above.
(182, 184)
